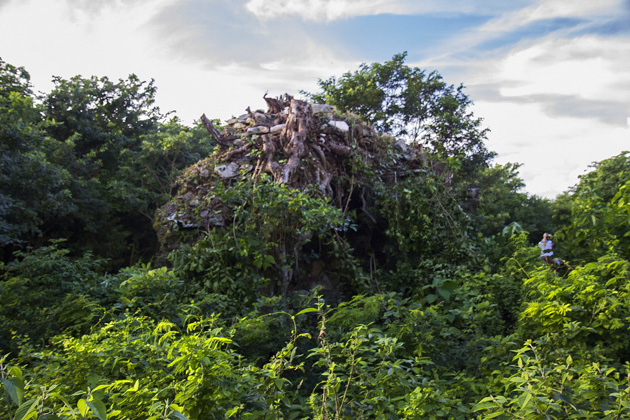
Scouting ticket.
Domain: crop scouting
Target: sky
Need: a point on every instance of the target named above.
(550, 78)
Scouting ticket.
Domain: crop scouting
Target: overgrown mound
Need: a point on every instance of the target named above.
(312, 160)
(305, 146)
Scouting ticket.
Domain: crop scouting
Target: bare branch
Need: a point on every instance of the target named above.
(213, 131)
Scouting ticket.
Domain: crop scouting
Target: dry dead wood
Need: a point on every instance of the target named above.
(213, 131)
(296, 130)
(275, 105)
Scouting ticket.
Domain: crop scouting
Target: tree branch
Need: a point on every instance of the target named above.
(213, 131)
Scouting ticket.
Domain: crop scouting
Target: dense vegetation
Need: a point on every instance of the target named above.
(429, 299)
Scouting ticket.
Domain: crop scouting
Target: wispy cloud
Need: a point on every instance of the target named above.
(590, 67)
(568, 71)
(551, 9)
(583, 77)
(503, 26)
(555, 150)
(317, 10)
(556, 97)
(330, 10)
(554, 105)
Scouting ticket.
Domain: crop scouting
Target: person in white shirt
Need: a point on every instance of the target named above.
(546, 246)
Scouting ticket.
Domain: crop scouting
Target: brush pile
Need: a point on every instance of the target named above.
(305, 146)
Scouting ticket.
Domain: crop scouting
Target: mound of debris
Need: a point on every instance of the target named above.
(303, 145)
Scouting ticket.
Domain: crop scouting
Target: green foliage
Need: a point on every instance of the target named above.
(502, 202)
(541, 388)
(585, 312)
(90, 164)
(45, 292)
(32, 188)
(599, 212)
(135, 366)
(150, 292)
(98, 127)
(426, 230)
(260, 247)
(434, 399)
(162, 155)
(408, 102)
(438, 313)
(362, 376)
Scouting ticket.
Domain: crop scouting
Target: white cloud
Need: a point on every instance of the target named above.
(555, 102)
(517, 18)
(61, 39)
(587, 66)
(116, 39)
(552, 9)
(554, 151)
(320, 10)
(227, 91)
(330, 10)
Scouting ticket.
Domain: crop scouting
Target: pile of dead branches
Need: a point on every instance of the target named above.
(306, 146)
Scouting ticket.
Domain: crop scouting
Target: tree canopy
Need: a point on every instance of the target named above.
(33, 189)
(412, 104)
(89, 162)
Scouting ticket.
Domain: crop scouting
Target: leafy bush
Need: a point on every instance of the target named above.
(150, 292)
(599, 212)
(45, 292)
(542, 388)
(585, 312)
(260, 248)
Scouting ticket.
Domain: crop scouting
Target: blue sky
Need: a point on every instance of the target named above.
(550, 78)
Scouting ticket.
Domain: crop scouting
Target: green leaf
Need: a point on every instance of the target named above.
(444, 293)
(31, 414)
(15, 371)
(98, 408)
(15, 391)
(176, 415)
(27, 410)
(231, 412)
(306, 311)
(484, 405)
(500, 399)
(83, 407)
(493, 415)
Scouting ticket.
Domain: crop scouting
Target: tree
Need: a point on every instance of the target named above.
(32, 188)
(501, 201)
(407, 102)
(90, 162)
(599, 211)
(123, 160)
(97, 125)
(45, 291)
(162, 155)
